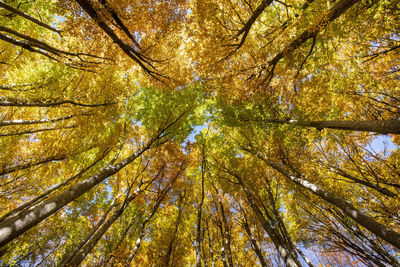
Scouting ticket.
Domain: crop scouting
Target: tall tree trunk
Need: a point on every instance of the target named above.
(199, 211)
(377, 126)
(177, 223)
(34, 201)
(225, 231)
(67, 259)
(14, 227)
(12, 169)
(142, 228)
(210, 245)
(383, 127)
(285, 250)
(376, 228)
(376, 187)
(253, 241)
(227, 235)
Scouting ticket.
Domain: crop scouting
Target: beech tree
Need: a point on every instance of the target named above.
(204, 133)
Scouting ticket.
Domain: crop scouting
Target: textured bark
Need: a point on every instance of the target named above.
(14, 227)
(225, 230)
(227, 235)
(376, 228)
(143, 62)
(34, 201)
(199, 214)
(286, 251)
(254, 243)
(377, 126)
(174, 235)
(142, 228)
(383, 127)
(376, 187)
(210, 246)
(247, 26)
(67, 259)
(37, 131)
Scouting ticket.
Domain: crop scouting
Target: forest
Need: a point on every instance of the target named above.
(200, 133)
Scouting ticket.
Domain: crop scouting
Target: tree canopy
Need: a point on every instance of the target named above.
(200, 133)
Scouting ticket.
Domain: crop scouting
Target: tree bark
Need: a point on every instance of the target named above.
(153, 211)
(377, 126)
(376, 228)
(199, 214)
(11, 229)
(253, 241)
(177, 223)
(284, 249)
(20, 102)
(383, 127)
(76, 249)
(337, 10)
(28, 122)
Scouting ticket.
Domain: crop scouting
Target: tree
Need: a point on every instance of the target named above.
(205, 132)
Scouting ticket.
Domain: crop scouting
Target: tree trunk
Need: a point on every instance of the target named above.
(34, 201)
(210, 245)
(376, 228)
(177, 222)
(377, 126)
(383, 127)
(75, 250)
(81, 254)
(29, 122)
(285, 250)
(11, 229)
(199, 211)
(253, 242)
(142, 227)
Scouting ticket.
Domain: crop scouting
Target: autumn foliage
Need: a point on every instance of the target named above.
(199, 132)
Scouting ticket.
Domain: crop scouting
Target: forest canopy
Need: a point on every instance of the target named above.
(200, 133)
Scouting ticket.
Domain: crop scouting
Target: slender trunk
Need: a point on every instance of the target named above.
(210, 245)
(223, 253)
(376, 228)
(20, 102)
(199, 211)
(332, 14)
(377, 126)
(142, 228)
(307, 260)
(37, 131)
(254, 244)
(29, 204)
(284, 249)
(227, 235)
(12, 169)
(177, 223)
(28, 122)
(11, 229)
(224, 227)
(31, 164)
(143, 62)
(74, 251)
